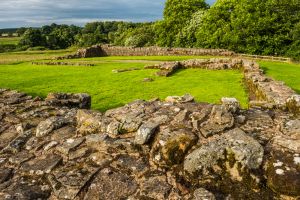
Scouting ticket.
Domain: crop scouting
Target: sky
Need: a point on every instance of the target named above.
(35, 13)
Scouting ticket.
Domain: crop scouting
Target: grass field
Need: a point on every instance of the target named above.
(287, 72)
(9, 40)
(110, 90)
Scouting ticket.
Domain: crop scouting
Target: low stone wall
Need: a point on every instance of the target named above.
(174, 149)
(63, 63)
(108, 50)
(267, 92)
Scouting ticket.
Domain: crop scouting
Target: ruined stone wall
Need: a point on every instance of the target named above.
(173, 149)
(266, 91)
(108, 50)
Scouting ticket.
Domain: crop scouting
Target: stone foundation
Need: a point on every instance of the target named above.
(265, 91)
(174, 149)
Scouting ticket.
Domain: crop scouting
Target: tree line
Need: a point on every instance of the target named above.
(269, 27)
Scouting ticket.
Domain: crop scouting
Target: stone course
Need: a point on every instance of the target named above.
(173, 149)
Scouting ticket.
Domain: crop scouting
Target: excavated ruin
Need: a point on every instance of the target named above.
(174, 149)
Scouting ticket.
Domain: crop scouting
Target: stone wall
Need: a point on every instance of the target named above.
(173, 149)
(266, 91)
(108, 50)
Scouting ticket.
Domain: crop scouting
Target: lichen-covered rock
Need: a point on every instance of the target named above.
(245, 150)
(283, 165)
(82, 101)
(293, 104)
(203, 194)
(220, 119)
(147, 150)
(155, 187)
(171, 146)
(231, 104)
(111, 184)
(49, 125)
(88, 122)
(180, 99)
(145, 132)
(42, 165)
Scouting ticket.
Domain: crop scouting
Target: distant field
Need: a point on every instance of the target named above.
(24, 56)
(9, 40)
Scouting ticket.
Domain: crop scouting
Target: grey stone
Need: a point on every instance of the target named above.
(49, 125)
(82, 101)
(110, 184)
(231, 104)
(220, 119)
(68, 181)
(245, 150)
(203, 194)
(156, 187)
(42, 165)
(180, 99)
(145, 132)
(171, 146)
(70, 145)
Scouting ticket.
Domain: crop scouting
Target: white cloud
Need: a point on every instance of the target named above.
(16, 13)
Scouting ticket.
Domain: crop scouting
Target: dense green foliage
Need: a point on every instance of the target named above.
(269, 27)
(177, 14)
(256, 27)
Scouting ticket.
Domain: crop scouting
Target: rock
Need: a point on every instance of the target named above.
(5, 174)
(148, 80)
(110, 184)
(49, 125)
(231, 104)
(25, 188)
(82, 101)
(21, 157)
(70, 145)
(42, 165)
(245, 150)
(180, 99)
(145, 132)
(16, 144)
(293, 104)
(68, 181)
(171, 146)
(124, 70)
(291, 127)
(88, 122)
(203, 194)
(155, 188)
(283, 166)
(219, 120)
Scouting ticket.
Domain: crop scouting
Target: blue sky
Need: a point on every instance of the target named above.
(16, 13)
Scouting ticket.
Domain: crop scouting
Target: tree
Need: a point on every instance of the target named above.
(177, 14)
(32, 38)
(255, 27)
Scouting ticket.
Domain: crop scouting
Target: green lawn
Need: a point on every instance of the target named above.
(109, 90)
(9, 40)
(287, 72)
